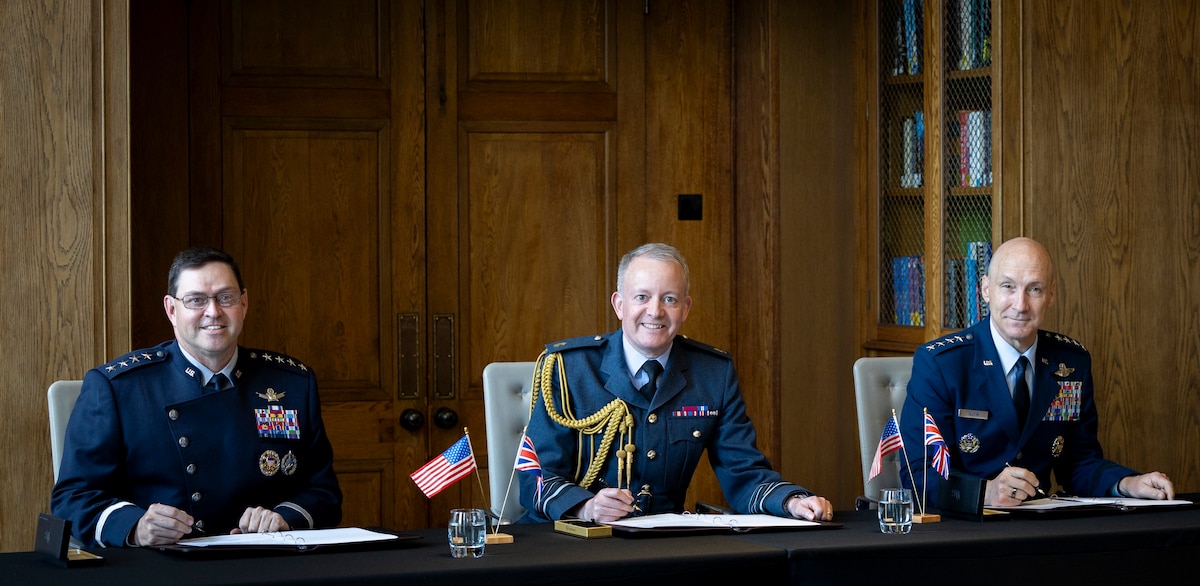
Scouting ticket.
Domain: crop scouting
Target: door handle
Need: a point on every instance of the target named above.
(412, 420)
(445, 418)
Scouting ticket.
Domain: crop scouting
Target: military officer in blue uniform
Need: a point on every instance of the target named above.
(614, 439)
(980, 383)
(197, 435)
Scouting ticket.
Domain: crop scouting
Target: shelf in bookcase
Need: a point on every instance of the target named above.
(904, 79)
(903, 192)
(984, 73)
(984, 191)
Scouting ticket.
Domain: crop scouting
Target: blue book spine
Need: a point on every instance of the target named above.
(912, 36)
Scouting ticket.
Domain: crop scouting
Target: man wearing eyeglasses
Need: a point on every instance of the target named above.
(197, 436)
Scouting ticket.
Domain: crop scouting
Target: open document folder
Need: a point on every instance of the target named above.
(302, 540)
(688, 522)
(1077, 502)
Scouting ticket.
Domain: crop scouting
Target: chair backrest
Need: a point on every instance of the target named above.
(507, 387)
(880, 385)
(61, 398)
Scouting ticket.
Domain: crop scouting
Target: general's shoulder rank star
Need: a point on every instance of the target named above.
(271, 395)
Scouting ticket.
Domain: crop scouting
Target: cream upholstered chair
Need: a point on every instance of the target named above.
(507, 387)
(61, 398)
(880, 385)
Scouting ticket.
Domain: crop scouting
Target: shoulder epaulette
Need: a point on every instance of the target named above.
(1061, 339)
(276, 359)
(572, 343)
(702, 346)
(132, 360)
(955, 340)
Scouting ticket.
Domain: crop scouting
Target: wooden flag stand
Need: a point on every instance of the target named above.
(926, 518)
(494, 537)
(499, 538)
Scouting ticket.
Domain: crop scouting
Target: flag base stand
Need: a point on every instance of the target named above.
(926, 518)
(499, 538)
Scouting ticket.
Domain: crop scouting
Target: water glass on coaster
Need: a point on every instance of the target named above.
(467, 532)
(895, 510)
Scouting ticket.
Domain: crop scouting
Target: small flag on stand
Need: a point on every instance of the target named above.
(889, 442)
(454, 464)
(941, 453)
(527, 461)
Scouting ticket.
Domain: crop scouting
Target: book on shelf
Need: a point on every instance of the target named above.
(974, 32)
(979, 254)
(913, 28)
(955, 291)
(974, 148)
(912, 140)
(908, 290)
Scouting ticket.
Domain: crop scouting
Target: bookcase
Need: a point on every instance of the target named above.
(933, 151)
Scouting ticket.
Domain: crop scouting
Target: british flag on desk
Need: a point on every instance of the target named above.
(527, 461)
(941, 454)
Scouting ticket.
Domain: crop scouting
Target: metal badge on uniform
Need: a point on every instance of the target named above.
(289, 463)
(1063, 370)
(268, 463)
(277, 422)
(1065, 406)
(968, 443)
(1056, 448)
(271, 396)
(973, 414)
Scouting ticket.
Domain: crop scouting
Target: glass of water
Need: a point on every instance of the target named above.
(895, 510)
(467, 532)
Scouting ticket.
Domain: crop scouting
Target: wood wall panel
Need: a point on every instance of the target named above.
(538, 41)
(1112, 111)
(537, 199)
(302, 218)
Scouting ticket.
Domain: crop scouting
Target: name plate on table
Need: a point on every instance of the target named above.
(54, 540)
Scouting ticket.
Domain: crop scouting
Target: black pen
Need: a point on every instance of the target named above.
(1039, 490)
(604, 484)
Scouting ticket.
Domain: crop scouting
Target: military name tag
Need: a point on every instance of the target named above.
(973, 414)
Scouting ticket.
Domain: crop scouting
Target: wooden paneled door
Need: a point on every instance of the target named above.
(413, 192)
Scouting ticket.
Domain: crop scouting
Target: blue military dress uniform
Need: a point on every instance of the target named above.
(144, 432)
(959, 378)
(698, 406)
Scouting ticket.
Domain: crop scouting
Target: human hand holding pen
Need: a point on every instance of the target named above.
(1012, 487)
(609, 504)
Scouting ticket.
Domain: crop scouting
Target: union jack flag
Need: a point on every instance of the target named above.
(941, 454)
(889, 442)
(527, 461)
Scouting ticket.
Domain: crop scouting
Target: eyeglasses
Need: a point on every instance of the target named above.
(201, 301)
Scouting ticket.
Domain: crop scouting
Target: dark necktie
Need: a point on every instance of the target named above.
(1021, 392)
(651, 368)
(216, 383)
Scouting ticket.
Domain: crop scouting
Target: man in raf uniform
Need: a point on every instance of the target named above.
(620, 421)
(1014, 402)
(197, 435)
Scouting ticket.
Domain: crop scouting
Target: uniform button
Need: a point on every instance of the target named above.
(652, 418)
(696, 433)
(173, 414)
(183, 442)
(191, 468)
(651, 454)
(196, 496)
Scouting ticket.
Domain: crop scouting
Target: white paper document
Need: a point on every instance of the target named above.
(299, 539)
(693, 521)
(1059, 502)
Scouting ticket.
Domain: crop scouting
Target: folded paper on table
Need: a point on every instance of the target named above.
(284, 541)
(688, 522)
(1080, 502)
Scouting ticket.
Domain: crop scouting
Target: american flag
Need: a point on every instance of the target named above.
(527, 461)
(889, 442)
(941, 454)
(452, 465)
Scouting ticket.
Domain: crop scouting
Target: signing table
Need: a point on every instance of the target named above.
(1139, 544)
